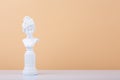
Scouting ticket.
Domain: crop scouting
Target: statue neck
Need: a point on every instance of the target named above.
(29, 36)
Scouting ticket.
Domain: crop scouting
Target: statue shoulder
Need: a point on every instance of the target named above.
(24, 39)
(33, 39)
(36, 39)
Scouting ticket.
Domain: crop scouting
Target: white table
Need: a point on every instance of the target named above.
(62, 75)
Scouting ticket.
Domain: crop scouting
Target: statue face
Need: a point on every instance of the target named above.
(28, 25)
(29, 30)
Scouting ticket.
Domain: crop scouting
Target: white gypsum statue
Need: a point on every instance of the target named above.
(29, 42)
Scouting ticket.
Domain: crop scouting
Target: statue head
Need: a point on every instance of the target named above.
(28, 25)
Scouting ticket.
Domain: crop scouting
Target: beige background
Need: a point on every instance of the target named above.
(74, 34)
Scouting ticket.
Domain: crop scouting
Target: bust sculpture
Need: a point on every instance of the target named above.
(29, 42)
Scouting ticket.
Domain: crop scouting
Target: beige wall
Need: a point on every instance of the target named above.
(74, 34)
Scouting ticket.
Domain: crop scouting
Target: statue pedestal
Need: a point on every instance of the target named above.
(29, 68)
